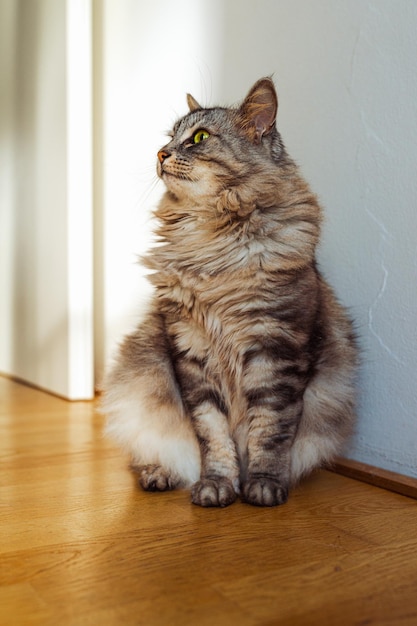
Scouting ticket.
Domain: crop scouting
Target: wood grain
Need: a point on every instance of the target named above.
(81, 545)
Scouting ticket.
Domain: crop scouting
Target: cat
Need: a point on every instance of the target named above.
(241, 378)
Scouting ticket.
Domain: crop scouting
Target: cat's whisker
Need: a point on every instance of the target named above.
(147, 192)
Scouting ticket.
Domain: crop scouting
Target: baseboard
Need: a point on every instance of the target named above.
(27, 383)
(405, 485)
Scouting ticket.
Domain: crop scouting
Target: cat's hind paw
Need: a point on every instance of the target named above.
(155, 478)
(264, 491)
(216, 491)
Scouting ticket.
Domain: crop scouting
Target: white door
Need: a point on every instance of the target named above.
(46, 247)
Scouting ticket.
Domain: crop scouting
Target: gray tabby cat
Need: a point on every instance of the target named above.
(241, 378)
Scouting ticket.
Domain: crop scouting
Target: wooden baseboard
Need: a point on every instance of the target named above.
(26, 383)
(405, 485)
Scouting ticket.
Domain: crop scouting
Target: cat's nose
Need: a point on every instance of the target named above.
(162, 155)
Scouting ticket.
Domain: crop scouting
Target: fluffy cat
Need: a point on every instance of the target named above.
(241, 378)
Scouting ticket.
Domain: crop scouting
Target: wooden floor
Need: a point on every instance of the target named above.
(81, 545)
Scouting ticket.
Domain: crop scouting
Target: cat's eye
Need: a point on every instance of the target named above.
(200, 135)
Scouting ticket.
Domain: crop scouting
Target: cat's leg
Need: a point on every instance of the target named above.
(270, 437)
(219, 480)
(146, 414)
(274, 406)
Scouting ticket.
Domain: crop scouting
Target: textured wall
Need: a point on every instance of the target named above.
(346, 74)
(347, 82)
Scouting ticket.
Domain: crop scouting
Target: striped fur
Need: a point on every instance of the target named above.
(241, 378)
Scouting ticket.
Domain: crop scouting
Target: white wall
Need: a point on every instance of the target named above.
(45, 194)
(345, 71)
(346, 75)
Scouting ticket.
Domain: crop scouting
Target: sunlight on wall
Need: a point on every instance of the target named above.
(79, 190)
(153, 53)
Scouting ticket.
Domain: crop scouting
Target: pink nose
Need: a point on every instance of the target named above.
(162, 155)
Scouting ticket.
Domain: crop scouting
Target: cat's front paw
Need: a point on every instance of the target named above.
(155, 478)
(264, 491)
(216, 491)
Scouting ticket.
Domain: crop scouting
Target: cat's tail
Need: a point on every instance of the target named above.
(326, 424)
(145, 414)
(328, 416)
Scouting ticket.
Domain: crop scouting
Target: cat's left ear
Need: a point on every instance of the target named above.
(258, 111)
(192, 103)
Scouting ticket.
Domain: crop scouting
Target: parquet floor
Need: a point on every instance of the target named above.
(81, 545)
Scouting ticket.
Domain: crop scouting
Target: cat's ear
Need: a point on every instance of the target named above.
(258, 111)
(192, 103)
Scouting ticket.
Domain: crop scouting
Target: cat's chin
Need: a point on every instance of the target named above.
(196, 192)
(174, 185)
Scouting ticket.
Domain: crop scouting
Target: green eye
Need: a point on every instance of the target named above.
(200, 135)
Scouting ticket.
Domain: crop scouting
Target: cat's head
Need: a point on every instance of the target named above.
(218, 150)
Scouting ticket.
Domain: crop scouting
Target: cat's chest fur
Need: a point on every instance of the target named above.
(210, 310)
(219, 318)
(207, 324)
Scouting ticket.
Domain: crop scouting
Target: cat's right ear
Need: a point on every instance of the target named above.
(258, 111)
(192, 103)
